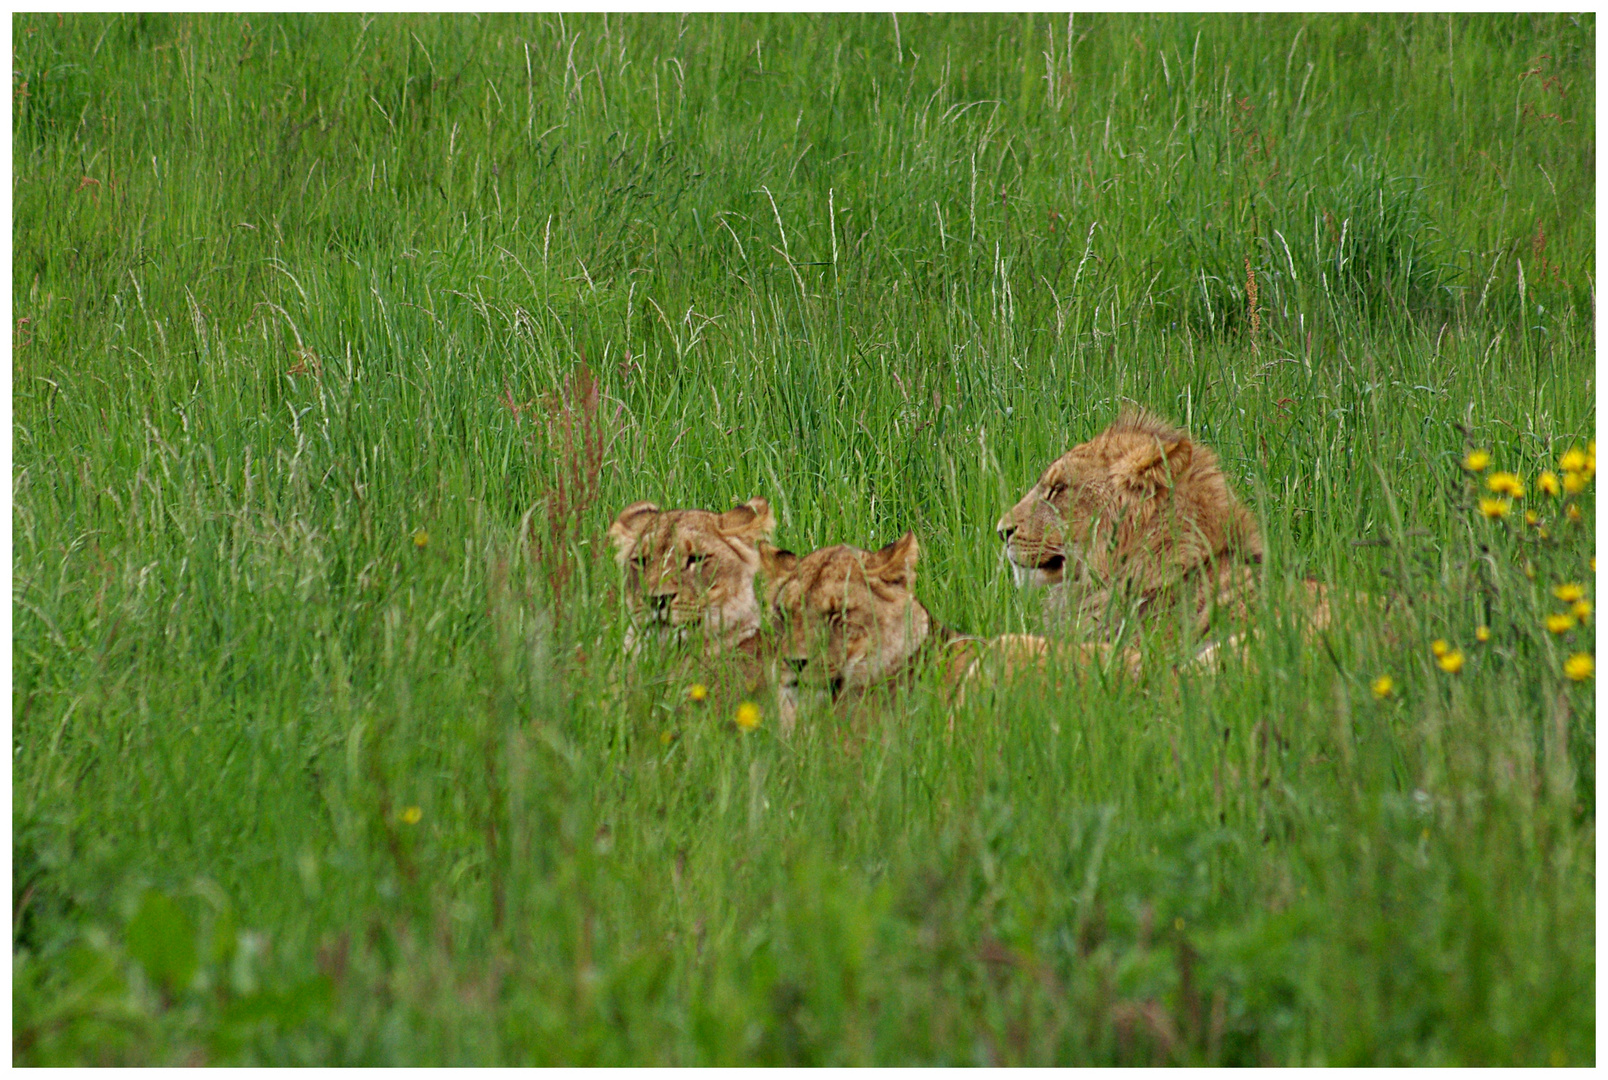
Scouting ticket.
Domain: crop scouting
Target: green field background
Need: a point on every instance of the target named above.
(338, 341)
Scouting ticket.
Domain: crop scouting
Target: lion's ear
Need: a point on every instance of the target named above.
(776, 562)
(896, 563)
(629, 526)
(1157, 465)
(750, 521)
(777, 566)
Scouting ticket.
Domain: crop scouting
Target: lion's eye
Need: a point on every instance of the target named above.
(641, 561)
(694, 558)
(1054, 491)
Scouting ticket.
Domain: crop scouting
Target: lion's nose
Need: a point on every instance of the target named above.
(1005, 531)
(661, 602)
(797, 663)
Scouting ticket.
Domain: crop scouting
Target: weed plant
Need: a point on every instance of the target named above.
(339, 340)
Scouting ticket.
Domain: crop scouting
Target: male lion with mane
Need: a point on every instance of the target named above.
(1137, 519)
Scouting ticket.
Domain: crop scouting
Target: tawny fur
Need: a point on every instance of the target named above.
(845, 616)
(1135, 520)
(847, 620)
(689, 574)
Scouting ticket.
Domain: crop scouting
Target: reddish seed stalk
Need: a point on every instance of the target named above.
(573, 426)
(1250, 298)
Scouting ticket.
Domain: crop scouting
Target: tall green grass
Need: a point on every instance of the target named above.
(323, 748)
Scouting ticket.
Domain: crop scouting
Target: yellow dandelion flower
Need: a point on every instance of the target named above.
(1532, 518)
(1580, 667)
(1581, 609)
(1572, 460)
(1506, 483)
(1594, 564)
(1543, 532)
(420, 538)
(1560, 624)
(1477, 460)
(1568, 591)
(1574, 482)
(1452, 662)
(1440, 647)
(412, 815)
(1382, 686)
(747, 716)
(698, 691)
(1573, 513)
(1482, 633)
(1548, 483)
(666, 737)
(1495, 508)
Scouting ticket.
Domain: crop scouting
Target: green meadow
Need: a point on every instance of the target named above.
(339, 341)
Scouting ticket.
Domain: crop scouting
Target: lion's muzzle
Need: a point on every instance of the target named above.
(1028, 570)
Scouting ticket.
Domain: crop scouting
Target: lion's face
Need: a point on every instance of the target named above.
(1053, 525)
(846, 617)
(691, 572)
(1139, 500)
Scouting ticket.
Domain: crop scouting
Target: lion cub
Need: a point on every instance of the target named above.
(1135, 520)
(689, 574)
(848, 620)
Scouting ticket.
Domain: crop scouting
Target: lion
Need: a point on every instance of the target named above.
(689, 574)
(847, 620)
(1135, 520)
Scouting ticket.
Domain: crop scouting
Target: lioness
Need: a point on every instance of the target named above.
(848, 619)
(691, 572)
(1136, 519)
